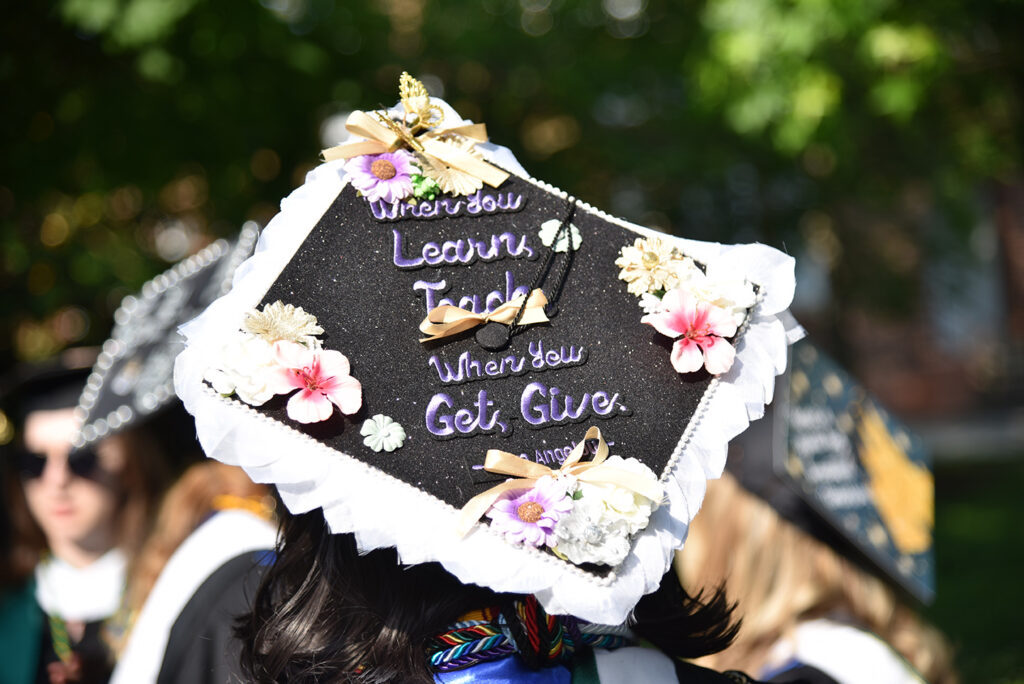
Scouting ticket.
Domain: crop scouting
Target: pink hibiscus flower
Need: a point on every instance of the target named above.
(321, 376)
(386, 177)
(701, 328)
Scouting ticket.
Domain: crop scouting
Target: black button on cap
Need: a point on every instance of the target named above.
(493, 336)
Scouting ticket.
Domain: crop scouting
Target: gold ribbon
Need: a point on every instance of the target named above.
(448, 319)
(594, 471)
(385, 135)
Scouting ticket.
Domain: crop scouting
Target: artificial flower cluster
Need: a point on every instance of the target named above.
(277, 352)
(700, 308)
(582, 522)
(414, 158)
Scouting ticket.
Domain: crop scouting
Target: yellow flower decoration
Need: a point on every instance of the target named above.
(649, 264)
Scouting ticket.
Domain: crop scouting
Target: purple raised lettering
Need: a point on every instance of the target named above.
(534, 414)
(432, 253)
(429, 289)
(439, 425)
(382, 211)
(401, 261)
(473, 203)
(602, 405)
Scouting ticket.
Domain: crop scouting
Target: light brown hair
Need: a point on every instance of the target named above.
(202, 490)
(780, 576)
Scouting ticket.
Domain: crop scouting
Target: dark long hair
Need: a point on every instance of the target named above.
(323, 612)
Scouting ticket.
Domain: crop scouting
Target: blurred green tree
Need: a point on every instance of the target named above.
(858, 134)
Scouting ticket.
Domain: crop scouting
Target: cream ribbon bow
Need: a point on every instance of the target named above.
(448, 319)
(594, 471)
(386, 135)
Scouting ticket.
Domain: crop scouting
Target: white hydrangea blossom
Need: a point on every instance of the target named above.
(589, 535)
(243, 366)
(604, 517)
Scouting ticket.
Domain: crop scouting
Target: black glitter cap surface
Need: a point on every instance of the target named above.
(367, 282)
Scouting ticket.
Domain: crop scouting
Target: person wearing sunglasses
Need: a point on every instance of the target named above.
(77, 520)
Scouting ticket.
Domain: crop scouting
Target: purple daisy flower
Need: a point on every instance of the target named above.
(529, 517)
(386, 177)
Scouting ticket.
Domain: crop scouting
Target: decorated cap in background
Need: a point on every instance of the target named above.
(42, 386)
(834, 462)
(132, 377)
(457, 360)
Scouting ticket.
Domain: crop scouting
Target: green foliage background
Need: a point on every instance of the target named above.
(862, 135)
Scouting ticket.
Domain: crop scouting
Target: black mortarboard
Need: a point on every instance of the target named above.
(830, 459)
(472, 323)
(132, 377)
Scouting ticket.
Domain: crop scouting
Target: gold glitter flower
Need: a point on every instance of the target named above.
(451, 180)
(649, 264)
(416, 101)
(283, 322)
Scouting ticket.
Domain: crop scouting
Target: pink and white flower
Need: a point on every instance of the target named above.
(386, 177)
(322, 378)
(701, 329)
(529, 517)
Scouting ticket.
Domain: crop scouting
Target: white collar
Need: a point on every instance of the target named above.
(81, 594)
(847, 654)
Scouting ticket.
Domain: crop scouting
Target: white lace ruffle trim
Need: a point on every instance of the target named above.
(382, 511)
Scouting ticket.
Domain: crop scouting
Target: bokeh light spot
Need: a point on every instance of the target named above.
(624, 10)
(33, 341)
(818, 230)
(87, 210)
(265, 164)
(185, 193)
(125, 203)
(173, 241)
(536, 24)
(6, 429)
(70, 324)
(545, 136)
(55, 230)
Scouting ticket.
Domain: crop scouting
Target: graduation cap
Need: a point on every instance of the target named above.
(457, 360)
(834, 462)
(132, 376)
(41, 386)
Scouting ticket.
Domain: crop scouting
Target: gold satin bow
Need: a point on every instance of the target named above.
(423, 136)
(527, 472)
(448, 319)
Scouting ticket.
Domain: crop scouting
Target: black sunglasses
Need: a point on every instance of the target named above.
(81, 463)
